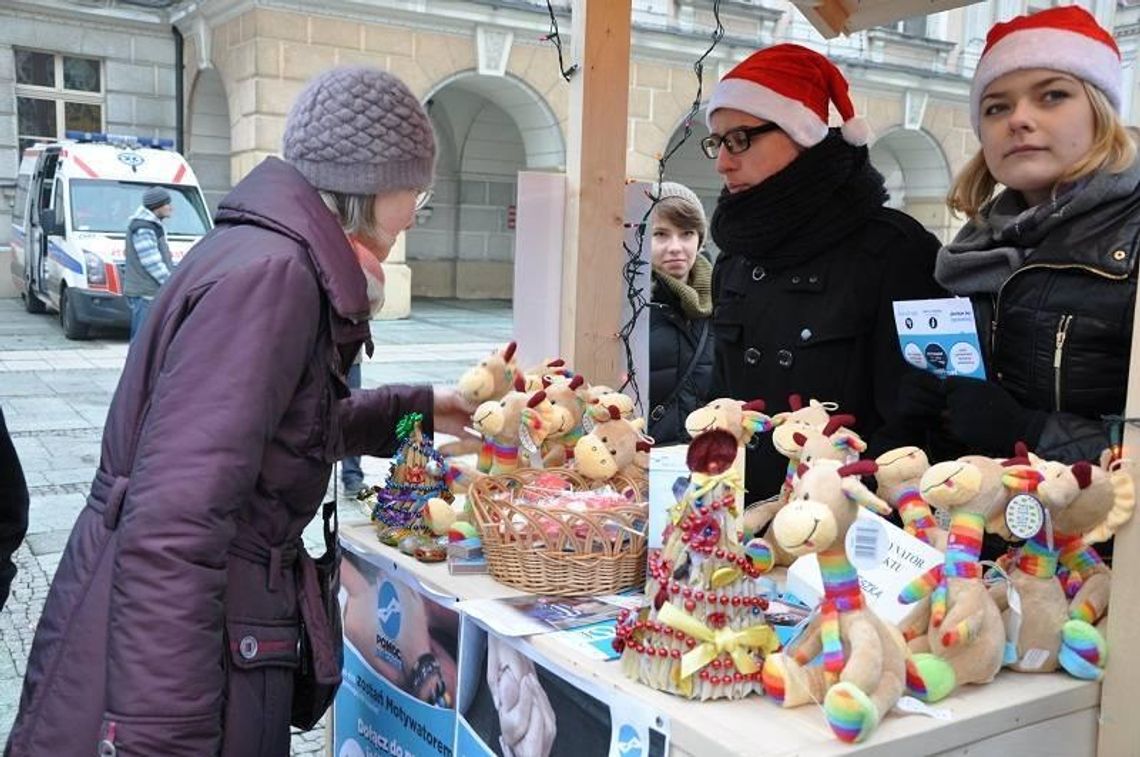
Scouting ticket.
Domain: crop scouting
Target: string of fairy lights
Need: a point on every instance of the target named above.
(635, 261)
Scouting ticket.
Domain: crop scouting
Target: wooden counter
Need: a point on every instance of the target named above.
(1049, 714)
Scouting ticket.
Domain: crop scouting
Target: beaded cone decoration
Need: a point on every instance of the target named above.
(704, 633)
(415, 476)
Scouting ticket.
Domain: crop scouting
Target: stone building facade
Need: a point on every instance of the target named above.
(495, 94)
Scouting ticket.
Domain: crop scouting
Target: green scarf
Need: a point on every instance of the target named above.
(695, 294)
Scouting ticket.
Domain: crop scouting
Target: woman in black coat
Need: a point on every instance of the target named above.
(811, 260)
(1050, 262)
(680, 342)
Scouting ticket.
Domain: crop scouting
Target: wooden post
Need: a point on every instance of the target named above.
(1119, 724)
(592, 287)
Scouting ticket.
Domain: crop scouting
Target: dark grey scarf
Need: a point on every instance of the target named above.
(1002, 238)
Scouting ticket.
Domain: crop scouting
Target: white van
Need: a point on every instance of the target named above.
(74, 200)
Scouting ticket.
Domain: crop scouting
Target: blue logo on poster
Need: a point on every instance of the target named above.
(629, 743)
(388, 610)
(936, 357)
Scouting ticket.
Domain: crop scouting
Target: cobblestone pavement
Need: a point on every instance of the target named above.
(55, 394)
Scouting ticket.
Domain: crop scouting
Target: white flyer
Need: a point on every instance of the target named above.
(940, 336)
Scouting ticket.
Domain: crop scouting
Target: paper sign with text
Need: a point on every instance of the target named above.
(940, 336)
(905, 559)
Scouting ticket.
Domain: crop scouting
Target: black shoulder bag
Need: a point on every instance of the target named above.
(322, 640)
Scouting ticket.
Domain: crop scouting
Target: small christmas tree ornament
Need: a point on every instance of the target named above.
(704, 634)
(415, 476)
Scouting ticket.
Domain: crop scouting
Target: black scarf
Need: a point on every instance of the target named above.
(822, 197)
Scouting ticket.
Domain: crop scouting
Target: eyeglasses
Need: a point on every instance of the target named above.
(423, 198)
(735, 141)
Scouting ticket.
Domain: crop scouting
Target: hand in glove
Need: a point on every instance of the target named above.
(984, 416)
(921, 395)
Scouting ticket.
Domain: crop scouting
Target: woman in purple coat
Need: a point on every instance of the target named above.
(172, 625)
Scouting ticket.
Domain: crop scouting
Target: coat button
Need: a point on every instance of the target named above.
(247, 647)
(758, 273)
(107, 749)
(1119, 255)
(805, 335)
(795, 279)
(752, 355)
(785, 358)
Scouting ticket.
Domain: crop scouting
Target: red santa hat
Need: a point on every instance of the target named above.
(1066, 39)
(792, 87)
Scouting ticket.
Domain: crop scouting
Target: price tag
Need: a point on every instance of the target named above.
(915, 707)
(1024, 516)
(1013, 617)
(866, 543)
(528, 445)
(1034, 659)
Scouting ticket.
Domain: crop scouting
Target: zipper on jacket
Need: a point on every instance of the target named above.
(1052, 266)
(1058, 353)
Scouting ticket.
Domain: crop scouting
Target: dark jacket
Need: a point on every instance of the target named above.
(673, 340)
(822, 327)
(171, 627)
(137, 281)
(13, 508)
(1062, 334)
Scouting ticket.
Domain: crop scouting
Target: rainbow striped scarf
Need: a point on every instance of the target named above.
(963, 548)
(1078, 561)
(486, 456)
(841, 593)
(1035, 558)
(916, 516)
(506, 457)
(570, 439)
(1080, 558)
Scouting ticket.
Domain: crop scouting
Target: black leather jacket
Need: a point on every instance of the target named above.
(1061, 328)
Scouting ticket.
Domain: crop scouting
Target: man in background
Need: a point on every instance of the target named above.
(149, 264)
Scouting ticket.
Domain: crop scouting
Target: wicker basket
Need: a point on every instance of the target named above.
(559, 552)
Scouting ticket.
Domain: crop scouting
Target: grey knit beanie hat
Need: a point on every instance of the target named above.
(681, 192)
(358, 130)
(155, 197)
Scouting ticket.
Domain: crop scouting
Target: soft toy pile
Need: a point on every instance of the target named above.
(544, 418)
(1040, 610)
(549, 417)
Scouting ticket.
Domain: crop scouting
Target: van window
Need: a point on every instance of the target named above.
(19, 211)
(107, 206)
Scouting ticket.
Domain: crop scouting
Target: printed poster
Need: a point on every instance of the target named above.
(400, 670)
(512, 704)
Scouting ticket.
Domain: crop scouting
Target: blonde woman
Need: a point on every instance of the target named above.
(1050, 262)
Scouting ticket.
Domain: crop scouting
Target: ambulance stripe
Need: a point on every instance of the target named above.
(59, 255)
(181, 172)
(86, 168)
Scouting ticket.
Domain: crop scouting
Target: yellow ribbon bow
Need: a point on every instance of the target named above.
(738, 643)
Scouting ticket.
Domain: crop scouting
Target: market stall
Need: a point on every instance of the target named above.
(1015, 713)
